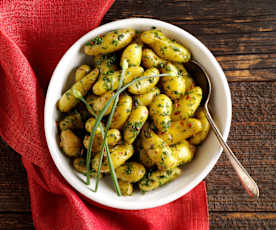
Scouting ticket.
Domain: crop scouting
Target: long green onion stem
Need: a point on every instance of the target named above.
(88, 156)
(108, 123)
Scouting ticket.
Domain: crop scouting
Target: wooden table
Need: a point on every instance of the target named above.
(242, 36)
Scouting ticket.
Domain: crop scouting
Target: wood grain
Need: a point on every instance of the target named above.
(218, 221)
(241, 34)
(18, 221)
(242, 221)
(14, 195)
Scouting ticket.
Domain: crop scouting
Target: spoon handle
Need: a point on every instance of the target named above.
(247, 181)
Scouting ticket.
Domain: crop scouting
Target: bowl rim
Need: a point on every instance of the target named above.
(110, 26)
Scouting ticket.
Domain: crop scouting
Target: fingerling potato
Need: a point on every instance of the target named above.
(133, 72)
(132, 54)
(158, 178)
(73, 121)
(157, 149)
(68, 100)
(147, 98)
(107, 82)
(80, 165)
(89, 124)
(110, 42)
(180, 130)
(189, 82)
(202, 135)
(70, 143)
(131, 172)
(145, 159)
(110, 81)
(122, 111)
(174, 85)
(105, 63)
(186, 106)
(81, 71)
(183, 152)
(164, 47)
(113, 137)
(119, 155)
(98, 103)
(160, 111)
(135, 122)
(126, 188)
(150, 59)
(144, 86)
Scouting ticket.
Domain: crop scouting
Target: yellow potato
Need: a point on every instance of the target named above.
(97, 143)
(119, 155)
(143, 156)
(183, 152)
(157, 149)
(113, 137)
(131, 172)
(70, 143)
(181, 69)
(145, 159)
(150, 59)
(81, 72)
(189, 82)
(80, 165)
(133, 72)
(106, 63)
(147, 98)
(135, 123)
(146, 184)
(122, 111)
(126, 188)
(201, 136)
(186, 106)
(132, 54)
(164, 47)
(160, 111)
(98, 103)
(110, 82)
(158, 178)
(68, 100)
(109, 42)
(73, 121)
(144, 86)
(89, 124)
(174, 85)
(180, 130)
(107, 82)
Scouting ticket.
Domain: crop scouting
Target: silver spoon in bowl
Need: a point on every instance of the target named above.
(202, 79)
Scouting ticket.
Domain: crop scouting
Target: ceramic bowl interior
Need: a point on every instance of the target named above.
(193, 173)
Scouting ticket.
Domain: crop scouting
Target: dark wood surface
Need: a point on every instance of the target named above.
(242, 36)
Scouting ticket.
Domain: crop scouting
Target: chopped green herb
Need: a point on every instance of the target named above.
(120, 37)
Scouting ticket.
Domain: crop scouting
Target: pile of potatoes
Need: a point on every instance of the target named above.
(158, 121)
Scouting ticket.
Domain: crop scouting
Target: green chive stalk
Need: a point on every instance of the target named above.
(108, 123)
(78, 95)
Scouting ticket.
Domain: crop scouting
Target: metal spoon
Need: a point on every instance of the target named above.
(202, 79)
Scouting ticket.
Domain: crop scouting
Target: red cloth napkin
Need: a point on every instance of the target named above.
(33, 37)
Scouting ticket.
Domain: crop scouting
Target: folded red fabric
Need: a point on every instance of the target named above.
(33, 37)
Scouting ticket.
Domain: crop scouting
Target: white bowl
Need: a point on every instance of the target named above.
(206, 156)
